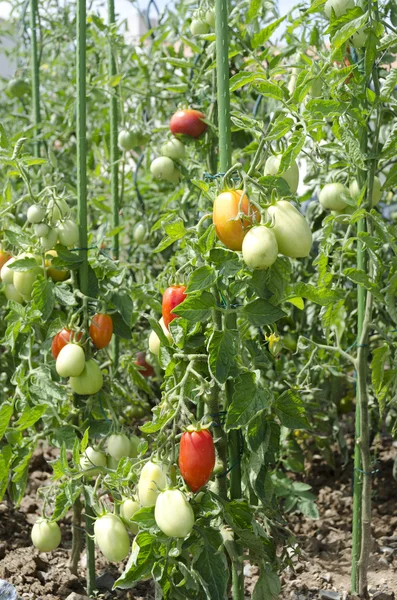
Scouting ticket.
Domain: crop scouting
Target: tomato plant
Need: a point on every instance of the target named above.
(61, 339)
(70, 361)
(90, 381)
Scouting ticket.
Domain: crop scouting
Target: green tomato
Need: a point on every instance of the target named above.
(151, 481)
(49, 241)
(7, 274)
(139, 233)
(36, 213)
(92, 458)
(260, 248)
(154, 340)
(46, 535)
(41, 230)
(24, 280)
(173, 514)
(70, 361)
(291, 175)
(162, 168)
(339, 7)
(12, 294)
(331, 196)
(118, 445)
(376, 191)
(17, 88)
(58, 210)
(125, 140)
(89, 382)
(128, 508)
(174, 149)
(112, 463)
(292, 231)
(111, 537)
(199, 27)
(68, 233)
(210, 17)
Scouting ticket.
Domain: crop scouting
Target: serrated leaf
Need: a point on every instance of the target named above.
(196, 308)
(249, 399)
(43, 296)
(6, 411)
(290, 410)
(202, 278)
(264, 35)
(260, 312)
(30, 416)
(222, 353)
(379, 358)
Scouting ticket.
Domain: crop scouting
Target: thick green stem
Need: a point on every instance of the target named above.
(35, 76)
(90, 545)
(81, 141)
(76, 537)
(114, 155)
(225, 160)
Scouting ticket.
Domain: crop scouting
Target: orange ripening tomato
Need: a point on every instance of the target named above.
(4, 256)
(229, 229)
(101, 330)
(188, 122)
(196, 458)
(172, 297)
(61, 339)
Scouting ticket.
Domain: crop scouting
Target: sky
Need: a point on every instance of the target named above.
(122, 6)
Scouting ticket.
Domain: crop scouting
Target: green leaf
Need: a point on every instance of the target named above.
(249, 399)
(222, 353)
(175, 231)
(318, 295)
(196, 308)
(269, 90)
(212, 566)
(291, 411)
(281, 126)
(379, 358)
(260, 312)
(268, 585)
(362, 278)
(264, 35)
(30, 416)
(347, 30)
(23, 264)
(140, 562)
(43, 296)
(295, 146)
(201, 279)
(370, 53)
(6, 411)
(327, 109)
(253, 10)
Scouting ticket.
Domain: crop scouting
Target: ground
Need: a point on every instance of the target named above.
(321, 572)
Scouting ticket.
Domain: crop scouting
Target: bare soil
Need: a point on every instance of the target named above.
(321, 570)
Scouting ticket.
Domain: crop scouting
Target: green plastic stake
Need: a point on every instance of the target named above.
(81, 17)
(230, 321)
(35, 77)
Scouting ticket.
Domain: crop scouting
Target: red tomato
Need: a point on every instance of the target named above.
(61, 339)
(146, 370)
(101, 330)
(196, 458)
(172, 296)
(188, 122)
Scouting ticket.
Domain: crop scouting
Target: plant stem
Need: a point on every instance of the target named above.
(114, 157)
(90, 546)
(230, 320)
(35, 77)
(76, 537)
(81, 141)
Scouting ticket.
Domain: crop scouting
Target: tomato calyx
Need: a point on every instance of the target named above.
(195, 427)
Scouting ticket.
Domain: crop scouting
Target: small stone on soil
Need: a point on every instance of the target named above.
(74, 596)
(328, 595)
(105, 581)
